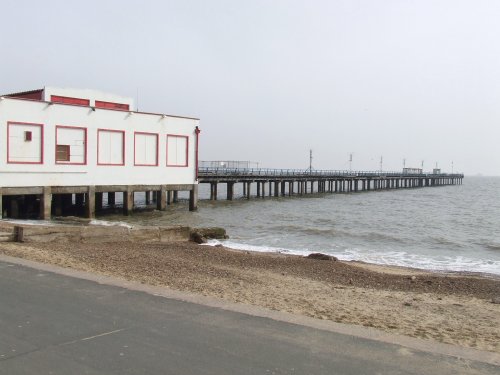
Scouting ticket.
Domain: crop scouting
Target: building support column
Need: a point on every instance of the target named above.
(175, 197)
(45, 203)
(1, 204)
(193, 198)
(128, 201)
(147, 198)
(161, 198)
(90, 202)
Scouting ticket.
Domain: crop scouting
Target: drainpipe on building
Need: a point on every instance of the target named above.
(197, 131)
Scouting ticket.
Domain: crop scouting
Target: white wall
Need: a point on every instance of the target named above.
(51, 173)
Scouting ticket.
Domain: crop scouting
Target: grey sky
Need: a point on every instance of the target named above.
(270, 79)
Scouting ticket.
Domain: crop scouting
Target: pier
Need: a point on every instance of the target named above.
(295, 182)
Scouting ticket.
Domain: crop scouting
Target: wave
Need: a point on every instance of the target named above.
(491, 245)
(336, 232)
(105, 223)
(30, 222)
(389, 258)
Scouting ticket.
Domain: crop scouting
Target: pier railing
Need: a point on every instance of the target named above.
(209, 172)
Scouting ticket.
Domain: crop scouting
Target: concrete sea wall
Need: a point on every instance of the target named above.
(13, 232)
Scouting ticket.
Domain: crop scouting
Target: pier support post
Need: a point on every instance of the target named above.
(276, 188)
(193, 198)
(128, 201)
(244, 189)
(263, 189)
(90, 202)
(258, 189)
(283, 188)
(213, 191)
(45, 203)
(230, 191)
(1, 204)
(249, 185)
(290, 188)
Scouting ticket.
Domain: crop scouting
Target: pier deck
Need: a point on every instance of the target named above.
(288, 182)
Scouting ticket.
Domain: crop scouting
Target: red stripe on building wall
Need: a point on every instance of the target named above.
(68, 100)
(110, 105)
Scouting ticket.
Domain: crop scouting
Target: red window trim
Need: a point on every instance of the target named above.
(123, 146)
(42, 145)
(157, 150)
(69, 100)
(111, 105)
(85, 140)
(187, 150)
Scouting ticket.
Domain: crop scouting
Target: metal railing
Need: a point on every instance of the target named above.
(300, 173)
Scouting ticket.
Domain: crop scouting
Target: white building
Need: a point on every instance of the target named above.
(58, 142)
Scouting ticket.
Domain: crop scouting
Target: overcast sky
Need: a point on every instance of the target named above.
(269, 80)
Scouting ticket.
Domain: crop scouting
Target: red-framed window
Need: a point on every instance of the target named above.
(25, 144)
(111, 105)
(110, 147)
(177, 150)
(146, 149)
(69, 100)
(71, 145)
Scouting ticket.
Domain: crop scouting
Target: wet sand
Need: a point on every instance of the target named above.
(450, 308)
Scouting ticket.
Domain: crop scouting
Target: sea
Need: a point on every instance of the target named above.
(446, 228)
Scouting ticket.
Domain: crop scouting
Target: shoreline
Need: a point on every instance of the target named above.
(450, 308)
(385, 268)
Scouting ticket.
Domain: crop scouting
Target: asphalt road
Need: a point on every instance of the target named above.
(54, 324)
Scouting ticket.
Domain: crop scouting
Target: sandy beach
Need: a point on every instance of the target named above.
(450, 308)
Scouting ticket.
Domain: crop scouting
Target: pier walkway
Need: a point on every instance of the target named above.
(288, 182)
